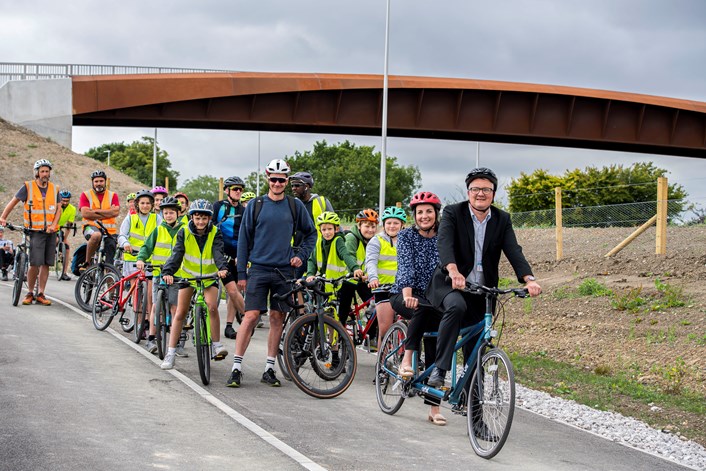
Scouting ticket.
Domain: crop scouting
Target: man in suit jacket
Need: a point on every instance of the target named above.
(472, 236)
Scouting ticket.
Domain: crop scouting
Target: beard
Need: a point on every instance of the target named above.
(98, 189)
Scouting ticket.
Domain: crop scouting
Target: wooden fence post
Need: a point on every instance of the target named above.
(559, 222)
(220, 189)
(662, 202)
(166, 184)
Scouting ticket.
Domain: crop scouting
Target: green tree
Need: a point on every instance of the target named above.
(203, 186)
(251, 183)
(349, 175)
(135, 160)
(613, 185)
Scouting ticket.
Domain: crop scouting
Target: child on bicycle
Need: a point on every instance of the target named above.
(356, 242)
(381, 264)
(331, 257)
(135, 228)
(197, 251)
(157, 249)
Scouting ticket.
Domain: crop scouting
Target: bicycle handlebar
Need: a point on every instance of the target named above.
(24, 229)
(475, 288)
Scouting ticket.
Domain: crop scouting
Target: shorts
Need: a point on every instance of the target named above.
(232, 273)
(111, 243)
(172, 292)
(263, 281)
(42, 248)
(382, 297)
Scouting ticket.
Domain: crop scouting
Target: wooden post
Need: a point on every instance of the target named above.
(398, 204)
(220, 189)
(632, 236)
(559, 222)
(662, 201)
(166, 184)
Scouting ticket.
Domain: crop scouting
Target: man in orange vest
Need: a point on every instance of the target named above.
(41, 214)
(99, 204)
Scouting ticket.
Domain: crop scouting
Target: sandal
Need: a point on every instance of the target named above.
(437, 419)
(405, 371)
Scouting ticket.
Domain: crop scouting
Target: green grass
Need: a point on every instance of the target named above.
(616, 391)
(593, 287)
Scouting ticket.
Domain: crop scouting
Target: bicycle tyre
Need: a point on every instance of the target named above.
(107, 295)
(140, 311)
(203, 346)
(160, 321)
(84, 291)
(303, 357)
(18, 277)
(388, 389)
(496, 388)
(60, 260)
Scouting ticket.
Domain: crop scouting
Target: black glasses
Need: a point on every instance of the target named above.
(296, 185)
(475, 190)
(235, 188)
(278, 180)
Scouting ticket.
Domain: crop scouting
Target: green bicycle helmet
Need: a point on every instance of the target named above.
(247, 196)
(131, 196)
(328, 217)
(394, 212)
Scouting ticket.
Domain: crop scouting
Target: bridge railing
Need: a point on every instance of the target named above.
(33, 71)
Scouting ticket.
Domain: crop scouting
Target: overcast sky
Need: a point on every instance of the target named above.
(643, 46)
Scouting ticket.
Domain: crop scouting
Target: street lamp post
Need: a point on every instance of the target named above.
(108, 152)
(383, 156)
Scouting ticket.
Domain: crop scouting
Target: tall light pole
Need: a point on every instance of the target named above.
(477, 154)
(154, 159)
(383, 156)
(257, 191)
(108, 152)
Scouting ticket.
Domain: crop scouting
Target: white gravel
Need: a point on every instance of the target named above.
(615, 427)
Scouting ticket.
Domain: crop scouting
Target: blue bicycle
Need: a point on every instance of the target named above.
(488, 402)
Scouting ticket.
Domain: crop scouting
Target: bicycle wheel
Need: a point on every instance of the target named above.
(388, 389)
(160, 321)
(19, 276)
(203, 345)
(311, 361)
(60, 260)
(280, 349)
(141, 314)
(106, 302)
(88, 281)
(491, 404)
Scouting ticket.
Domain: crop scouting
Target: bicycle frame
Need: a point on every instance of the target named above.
(123, 294)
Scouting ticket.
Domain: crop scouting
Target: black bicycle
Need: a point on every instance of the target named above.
(60, 260)
(19, 275)
(85, 288)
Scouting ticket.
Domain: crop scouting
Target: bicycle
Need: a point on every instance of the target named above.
(319, 355)
(490, 406)
(60, 253)
(362, 326)
(162, 317)
(202, 325)
(84, 290)
(292, 314)
(114, 293)
(19, 274)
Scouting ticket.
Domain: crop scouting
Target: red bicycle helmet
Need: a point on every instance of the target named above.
(369, 215)
(425, 197)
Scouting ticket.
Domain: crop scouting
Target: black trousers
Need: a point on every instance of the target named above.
(460, 310)
(6, 259)
(346, 294)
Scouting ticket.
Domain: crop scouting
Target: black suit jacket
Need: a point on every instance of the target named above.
(456, 244)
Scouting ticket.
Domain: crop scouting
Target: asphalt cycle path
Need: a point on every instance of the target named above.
(79, 396)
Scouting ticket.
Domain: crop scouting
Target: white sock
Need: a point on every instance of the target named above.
(171, 351)
(270, 363)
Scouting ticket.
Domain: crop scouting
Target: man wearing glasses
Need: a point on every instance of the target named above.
(227, 215)
(265, 241)
(302, 183)
(472, 236)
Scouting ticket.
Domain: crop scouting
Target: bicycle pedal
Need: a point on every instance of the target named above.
(124, 321)
(444, 388)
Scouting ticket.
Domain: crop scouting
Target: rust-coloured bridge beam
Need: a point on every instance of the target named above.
(437, 108)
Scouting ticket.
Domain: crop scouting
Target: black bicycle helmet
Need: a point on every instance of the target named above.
(98, 174)
(170, 202)
(142, 193)
(482, 172)
(304, 177)
(233, 181)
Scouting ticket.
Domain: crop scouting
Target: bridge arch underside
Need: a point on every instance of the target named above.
(418, 107)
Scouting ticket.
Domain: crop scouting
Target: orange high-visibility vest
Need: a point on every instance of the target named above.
(111, 224)
(39, 210)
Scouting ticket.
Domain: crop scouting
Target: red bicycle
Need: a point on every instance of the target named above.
(362, 323)
(115, 294)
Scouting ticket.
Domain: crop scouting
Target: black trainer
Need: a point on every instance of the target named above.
(229, 332)
(235, 377)
(436, 379)
(269, 377)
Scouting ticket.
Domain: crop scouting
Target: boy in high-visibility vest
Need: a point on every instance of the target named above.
(157, 249)
(197, 251)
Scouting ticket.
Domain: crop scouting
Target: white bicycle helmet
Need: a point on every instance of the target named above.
(42, 163)
(277, 166)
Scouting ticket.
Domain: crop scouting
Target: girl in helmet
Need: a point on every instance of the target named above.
(417, 258)
(247, 196)
(183, 207)
(135, 229)
(197, 251)
(331, 258)
(381, 264)
(159, 193)
(131, 203)
(356, 241)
